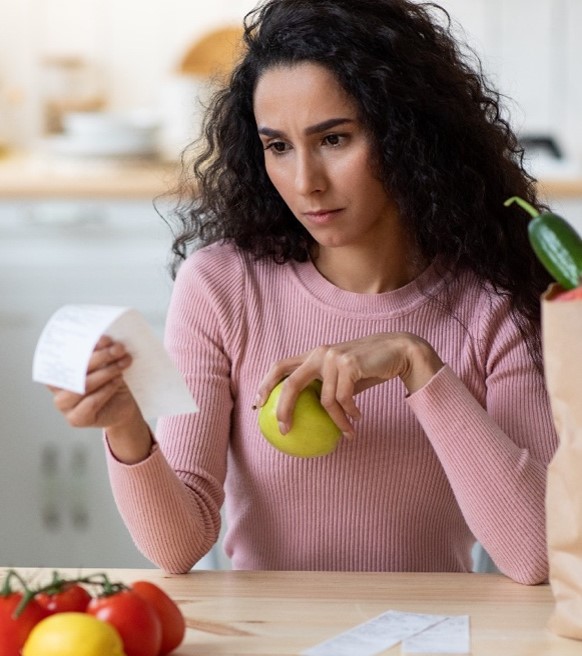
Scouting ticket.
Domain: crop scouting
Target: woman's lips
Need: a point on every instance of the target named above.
(321, 217)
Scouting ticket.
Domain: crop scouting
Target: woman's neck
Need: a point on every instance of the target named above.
(370, 270)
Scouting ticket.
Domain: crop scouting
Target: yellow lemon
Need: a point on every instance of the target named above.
(73, 634)
(313, 432)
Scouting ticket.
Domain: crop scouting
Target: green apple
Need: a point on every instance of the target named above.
(313, 432)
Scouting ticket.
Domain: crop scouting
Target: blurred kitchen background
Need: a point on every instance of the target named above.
(97, 100)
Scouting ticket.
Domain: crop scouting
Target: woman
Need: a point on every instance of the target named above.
(349, 227)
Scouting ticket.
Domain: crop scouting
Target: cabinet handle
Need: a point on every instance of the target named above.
(50, 511)
(79, 513)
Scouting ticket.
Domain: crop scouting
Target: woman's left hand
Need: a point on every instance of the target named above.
(348, 368)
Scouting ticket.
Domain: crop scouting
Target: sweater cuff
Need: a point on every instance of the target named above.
(432, 390)
(435, 407)
(111, 456)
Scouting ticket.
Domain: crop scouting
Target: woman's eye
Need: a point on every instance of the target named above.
(333, 139)
(277, 146)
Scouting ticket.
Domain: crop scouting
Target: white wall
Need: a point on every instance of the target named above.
(530, 47)
(136, 44)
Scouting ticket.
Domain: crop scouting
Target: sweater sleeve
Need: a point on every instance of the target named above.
(496, 453)
(171, 501)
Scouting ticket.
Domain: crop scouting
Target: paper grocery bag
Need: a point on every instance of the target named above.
(562, 349)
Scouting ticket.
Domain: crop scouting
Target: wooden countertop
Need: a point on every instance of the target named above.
(24, 175)
(38, 177)
(561, 187)
(283, 613)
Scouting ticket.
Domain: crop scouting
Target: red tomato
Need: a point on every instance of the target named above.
(72, 597)
(14, 630)
(173, 623)
(134, 618)
(570, 295)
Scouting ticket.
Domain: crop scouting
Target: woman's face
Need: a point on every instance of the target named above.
(319, 156)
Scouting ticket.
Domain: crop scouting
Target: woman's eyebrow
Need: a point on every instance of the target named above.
(312, 129)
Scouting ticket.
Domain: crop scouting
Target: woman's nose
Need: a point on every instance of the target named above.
(309, 174)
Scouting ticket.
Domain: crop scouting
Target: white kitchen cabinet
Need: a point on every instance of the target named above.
(56, 507)
(530, 52)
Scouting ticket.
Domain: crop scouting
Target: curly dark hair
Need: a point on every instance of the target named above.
(443, 149)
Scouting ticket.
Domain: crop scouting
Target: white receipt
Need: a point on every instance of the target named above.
(451, 636)
(68, 339)
(375, 635)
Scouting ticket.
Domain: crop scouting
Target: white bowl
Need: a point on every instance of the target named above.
(105, 123)
(105, 134)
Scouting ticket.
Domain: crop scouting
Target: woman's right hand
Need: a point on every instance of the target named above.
(108, 403)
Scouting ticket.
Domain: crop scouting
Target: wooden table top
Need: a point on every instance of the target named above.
(236, 613)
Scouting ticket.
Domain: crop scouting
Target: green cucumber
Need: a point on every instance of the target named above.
(555, 242)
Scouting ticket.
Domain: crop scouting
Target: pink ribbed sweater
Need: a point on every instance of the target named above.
(463, 458)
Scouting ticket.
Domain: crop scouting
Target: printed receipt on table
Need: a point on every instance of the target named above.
(64, 348)
(417, 633)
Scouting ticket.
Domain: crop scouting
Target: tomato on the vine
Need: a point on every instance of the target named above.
(134, 618)
(173, 623)
(15, 630)
(70, 597)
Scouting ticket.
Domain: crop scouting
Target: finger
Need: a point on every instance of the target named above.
(86, 412)
(305, 368)
(290, 390)
(103, 356)
(293, 385)
(66, 400)
(346, 382)
(329, 396)
(104, 341)
(338, 390)
(276, 373)
(100, 377)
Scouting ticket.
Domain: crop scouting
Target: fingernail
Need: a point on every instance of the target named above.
(257, 402)
(348, 435)
(283, 428)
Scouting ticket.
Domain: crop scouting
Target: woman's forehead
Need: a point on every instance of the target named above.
(301, 89)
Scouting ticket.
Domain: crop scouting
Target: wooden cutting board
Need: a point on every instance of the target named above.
(214, 54)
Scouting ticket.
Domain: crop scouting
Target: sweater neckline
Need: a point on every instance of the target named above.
(393, 303)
